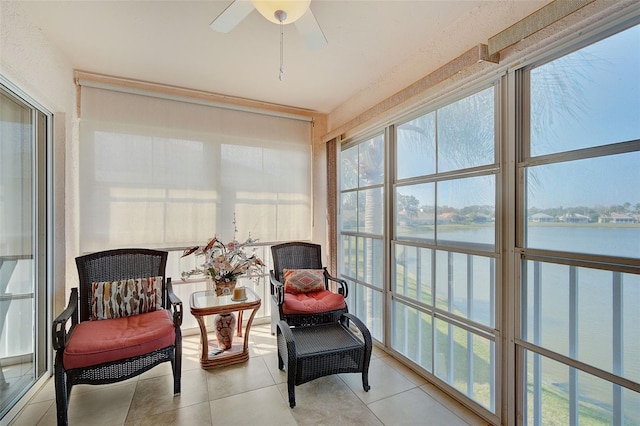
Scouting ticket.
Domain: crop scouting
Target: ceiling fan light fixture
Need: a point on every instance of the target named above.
(276, 10)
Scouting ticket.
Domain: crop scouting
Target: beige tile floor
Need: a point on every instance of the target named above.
(255, 393)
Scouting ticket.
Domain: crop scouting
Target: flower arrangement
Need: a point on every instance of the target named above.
(225, 263)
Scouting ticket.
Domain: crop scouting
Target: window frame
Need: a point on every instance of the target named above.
(42, 230)
(390, 297)
(519, 83)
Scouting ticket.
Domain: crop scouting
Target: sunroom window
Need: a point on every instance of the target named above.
(444, 245)
(580, 236)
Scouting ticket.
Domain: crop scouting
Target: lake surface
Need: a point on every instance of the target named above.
(606, 240)
(621, 241)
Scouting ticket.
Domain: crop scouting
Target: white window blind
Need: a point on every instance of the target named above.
(165, 173)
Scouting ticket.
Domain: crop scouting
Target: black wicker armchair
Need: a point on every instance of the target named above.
(148, 324)
(307, 308)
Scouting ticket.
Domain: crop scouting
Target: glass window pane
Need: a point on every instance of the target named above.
(361, 259)
(415, 211)
(546, 293)
(630, 403)
(411, 334)
(349, 169)
(366, 304)
(370, 211)
(593, 305)
(467, 210)
(416, 147)
(466, 132)
(552, 388)
(412, 272)
(376, 277)
(348, 211)
(370, 261)
(629, 318)
(466, 361)
(588, 98)
(349, 250)
(371, 162)
(587, 206)
(482, 290)
(465, 286)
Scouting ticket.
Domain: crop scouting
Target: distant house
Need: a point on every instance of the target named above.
(445, 218)
(621, 218)
(481, 218)
(617, 218)
(541, 217)
(574, 218)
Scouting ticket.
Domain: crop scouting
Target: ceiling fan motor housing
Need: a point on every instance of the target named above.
(282, 11)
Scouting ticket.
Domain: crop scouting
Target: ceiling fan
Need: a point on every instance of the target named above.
(281, 12)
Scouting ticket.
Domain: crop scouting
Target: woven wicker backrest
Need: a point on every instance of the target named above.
(115, 265)
(295, 255)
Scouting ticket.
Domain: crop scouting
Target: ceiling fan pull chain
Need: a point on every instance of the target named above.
(281, 76)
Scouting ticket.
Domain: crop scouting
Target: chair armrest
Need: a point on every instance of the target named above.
(284, 329)
(59, 329)
(343, 287)
(366, 335)
(277, 288)
(176, 304)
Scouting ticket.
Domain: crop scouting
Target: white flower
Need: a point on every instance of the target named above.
(224, 262)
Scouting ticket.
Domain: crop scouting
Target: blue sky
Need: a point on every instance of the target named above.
(607, 74)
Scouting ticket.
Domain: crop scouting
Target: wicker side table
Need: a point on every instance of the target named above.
(310, 352)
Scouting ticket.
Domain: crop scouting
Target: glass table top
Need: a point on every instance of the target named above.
(208, 299)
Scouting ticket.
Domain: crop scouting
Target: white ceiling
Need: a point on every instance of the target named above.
(375, 48)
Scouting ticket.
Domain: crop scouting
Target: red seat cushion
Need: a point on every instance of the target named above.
(308, 303)
(96, 342)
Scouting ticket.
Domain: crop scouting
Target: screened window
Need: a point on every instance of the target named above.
(557, 232)
(361, 248)
(581, 236)
(443, 290)
(445, 166)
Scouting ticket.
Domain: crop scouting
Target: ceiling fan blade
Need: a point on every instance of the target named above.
(310, 30)
(232, 15)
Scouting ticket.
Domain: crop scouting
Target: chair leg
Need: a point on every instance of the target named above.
(365, 381)
(62, 393)
(291, 387)
(177, 364)
(292, 369)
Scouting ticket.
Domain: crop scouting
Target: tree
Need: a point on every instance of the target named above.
(408, 206)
